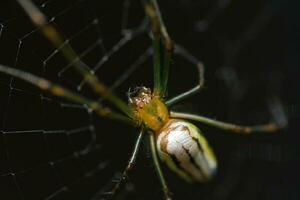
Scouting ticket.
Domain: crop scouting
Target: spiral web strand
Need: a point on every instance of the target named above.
(54, 149)
(43, 157)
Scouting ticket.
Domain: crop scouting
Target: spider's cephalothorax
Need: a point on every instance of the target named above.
(179, 143)
(149, 108)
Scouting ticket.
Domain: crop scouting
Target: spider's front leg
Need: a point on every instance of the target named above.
(161, 66)
(63, 92)
(162, 56)
(63, 46)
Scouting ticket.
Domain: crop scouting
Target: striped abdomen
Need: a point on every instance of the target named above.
(186, 151)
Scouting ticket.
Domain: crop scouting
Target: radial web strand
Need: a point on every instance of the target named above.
(51, 148)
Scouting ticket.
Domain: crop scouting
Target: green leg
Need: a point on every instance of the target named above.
(59, 42)
(168, 45)
(165, 71)
(161, 36)
(157, 23)
(200, 67)
(161, 177)
(130, 164)
(157, 66)
(265, 128)
(159, 29)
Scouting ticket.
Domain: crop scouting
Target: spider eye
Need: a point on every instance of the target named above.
(139, 94)
(137, 90)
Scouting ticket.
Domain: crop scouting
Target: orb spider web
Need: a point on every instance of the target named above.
(147, 53)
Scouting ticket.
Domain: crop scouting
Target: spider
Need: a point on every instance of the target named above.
(173, 139)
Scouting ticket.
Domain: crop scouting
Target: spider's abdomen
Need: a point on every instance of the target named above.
(186, 152)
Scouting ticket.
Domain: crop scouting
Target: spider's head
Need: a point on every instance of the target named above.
(148, 107)
(139, 97)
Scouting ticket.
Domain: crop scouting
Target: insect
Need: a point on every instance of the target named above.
(173, 139)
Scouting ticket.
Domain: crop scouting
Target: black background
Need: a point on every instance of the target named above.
(255, 167)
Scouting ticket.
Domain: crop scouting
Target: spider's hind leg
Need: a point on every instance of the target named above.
(165, 188)
(124, 176)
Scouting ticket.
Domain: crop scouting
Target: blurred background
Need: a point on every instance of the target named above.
(54, 149)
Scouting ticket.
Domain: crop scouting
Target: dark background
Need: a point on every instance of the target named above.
(249, 49)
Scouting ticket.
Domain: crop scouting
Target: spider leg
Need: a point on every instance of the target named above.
(60, 91)
(161, 37)
(159, 171)
(129, 166)
(157, 65)
(152, 9)
(245, 130)
(59, 42)
(200, 67)
(161, 75)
